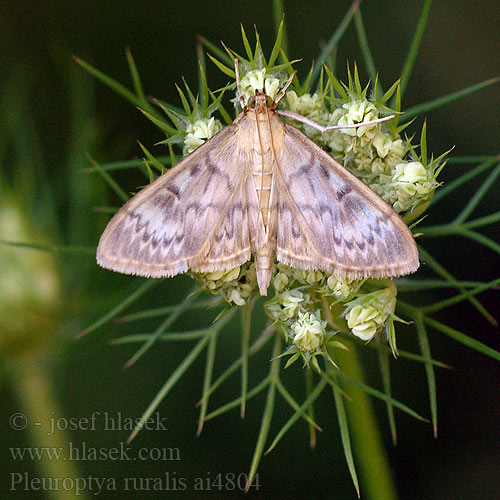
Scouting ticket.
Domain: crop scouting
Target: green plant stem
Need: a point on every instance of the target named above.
(38, 403)
(371, 457)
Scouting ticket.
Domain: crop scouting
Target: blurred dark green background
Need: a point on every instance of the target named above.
(461, 47)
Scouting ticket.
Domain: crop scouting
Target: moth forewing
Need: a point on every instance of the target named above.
(194, 217)
(330, 220)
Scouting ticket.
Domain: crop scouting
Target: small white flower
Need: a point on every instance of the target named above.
(368, 314)
(216, 275)
(308, 331)
(235, 296)
(280, 282)
(391, 160)
(257, 80)
(198, 132)
(336, 141)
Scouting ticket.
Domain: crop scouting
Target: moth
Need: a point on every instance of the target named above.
(261, 188)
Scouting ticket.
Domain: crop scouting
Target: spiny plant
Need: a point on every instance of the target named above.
(325, 322)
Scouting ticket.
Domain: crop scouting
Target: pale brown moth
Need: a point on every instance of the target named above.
(259, 187)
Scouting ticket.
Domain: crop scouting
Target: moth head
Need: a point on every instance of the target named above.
(260, 101)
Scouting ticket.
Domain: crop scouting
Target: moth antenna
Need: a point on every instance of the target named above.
(238, 84)
(281, 93)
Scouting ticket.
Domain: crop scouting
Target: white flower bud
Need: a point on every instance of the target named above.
(311, 106)
(308, 331)
(280, 281)
(412, 183)
(398, 147)
(231, 275)
(341, 288)
(312, 278)
(235, 296)
(198, 132)
(382, 143)
(257, 80)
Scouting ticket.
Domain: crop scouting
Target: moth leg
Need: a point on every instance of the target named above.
(317, 126)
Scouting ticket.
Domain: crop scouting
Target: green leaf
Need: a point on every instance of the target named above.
(110, 181)
(336, 84)
(170, 383)
(261, 341)
(159, 166)
(478, 196)
(267, 413)
(224, 69)
(487, 162)
(183, 306)
(444, 273)
(276, 49)
(300, 412)
(462, 338)
(51, 248)
(136, 80)
(344, 435)
(255, 391)
(118, 309)
(216, 50)
(246, 44)
(159, 123)
(385, 370)
(207, 379)
(374, 392)
(423, 144)
(420, 109)
(333, 41)
(246, 326)
(415, 46)
(429, 369)
(365, 48)
(389, 93)
(109, 82)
